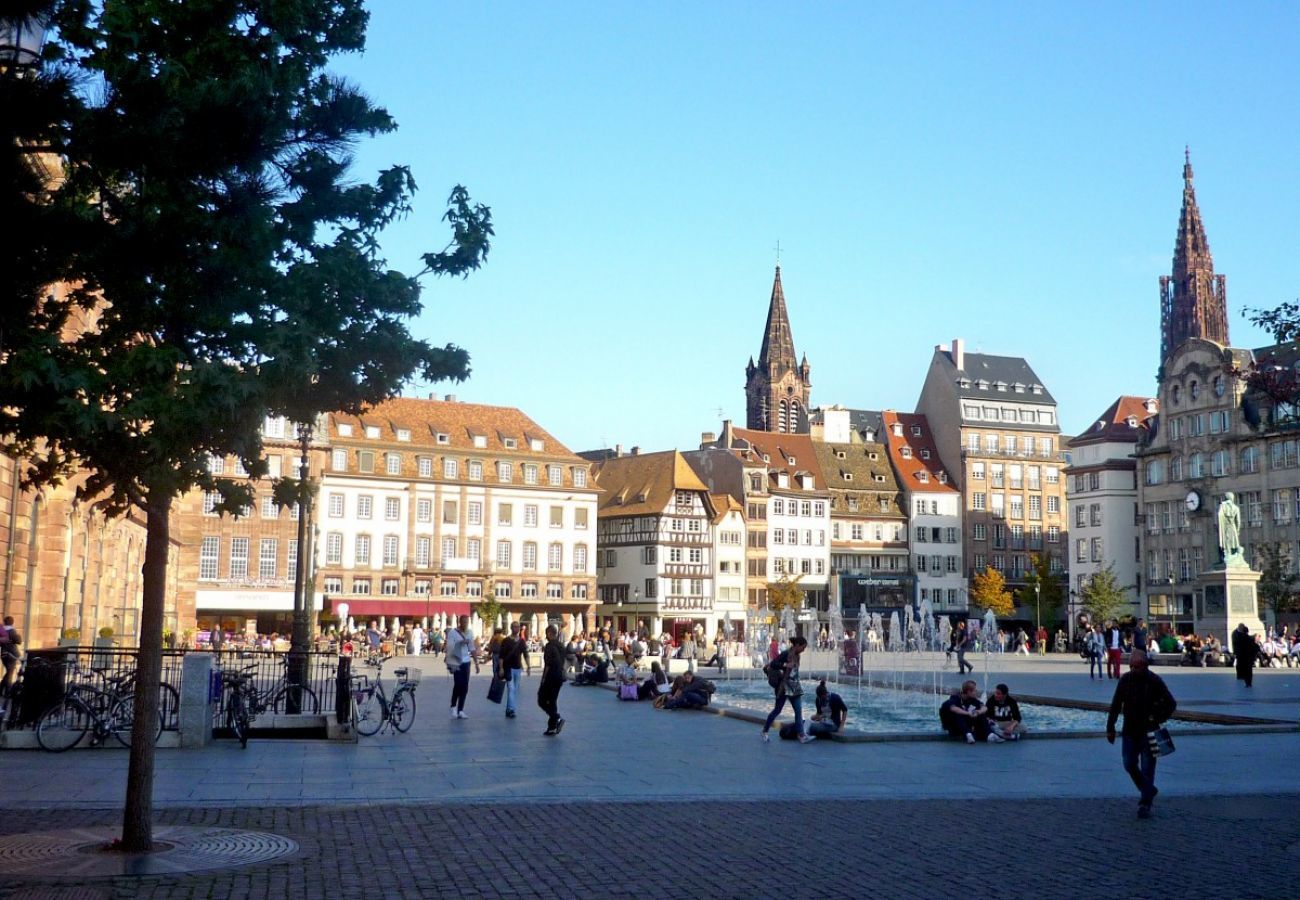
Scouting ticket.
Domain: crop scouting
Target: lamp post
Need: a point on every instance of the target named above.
(1038, 605)
(20, 43)
(636, 612)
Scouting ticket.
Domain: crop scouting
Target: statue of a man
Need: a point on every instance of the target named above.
(1229, 528)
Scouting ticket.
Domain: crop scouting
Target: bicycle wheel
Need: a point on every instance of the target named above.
(62, 727)
(402, 710)
(237, 717)
(307, 702)
(121, 721)
(169, 707)
(370, 714)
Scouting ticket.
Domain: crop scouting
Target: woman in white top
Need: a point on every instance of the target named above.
(460, 651)
(417, 640)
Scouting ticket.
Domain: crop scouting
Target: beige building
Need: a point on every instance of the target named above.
(996, 430)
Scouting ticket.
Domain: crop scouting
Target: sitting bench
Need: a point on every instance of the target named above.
(1165, 659)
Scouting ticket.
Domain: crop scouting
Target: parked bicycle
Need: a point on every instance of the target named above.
(372, 708)
(280, 696)
(122, 685)
(239, 714)
(87, 709)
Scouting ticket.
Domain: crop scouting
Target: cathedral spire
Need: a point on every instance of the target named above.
(1193, 300)
(778, 342)
(778, 388)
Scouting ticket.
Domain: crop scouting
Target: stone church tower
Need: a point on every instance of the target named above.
(1193, 300)
(778, 388)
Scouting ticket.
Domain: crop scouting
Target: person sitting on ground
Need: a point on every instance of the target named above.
(626, 671)
(689, 692)
(1004, 722)
(1211, 651)
(595, 670)
(962, 715)
(656, 684)
(832, 713)
(1167, 643)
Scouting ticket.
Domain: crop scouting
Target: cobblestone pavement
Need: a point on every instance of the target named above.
(889, 848)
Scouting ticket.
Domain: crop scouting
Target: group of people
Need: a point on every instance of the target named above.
(966, 717)
(831, 712)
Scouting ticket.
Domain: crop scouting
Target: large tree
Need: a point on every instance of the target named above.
(1104, 598)
(1042, 591)
(213, 261)
(1277, 581)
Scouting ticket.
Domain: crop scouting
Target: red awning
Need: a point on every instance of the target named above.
(405, 608)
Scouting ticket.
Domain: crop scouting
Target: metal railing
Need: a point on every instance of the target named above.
(271, 675)
(46, 675)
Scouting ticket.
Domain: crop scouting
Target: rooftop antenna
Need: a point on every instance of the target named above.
(778, 254)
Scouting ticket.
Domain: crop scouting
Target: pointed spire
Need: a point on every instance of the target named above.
(1193, 298)
(778, 342)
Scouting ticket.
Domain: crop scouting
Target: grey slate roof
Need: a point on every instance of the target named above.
(1010, 370)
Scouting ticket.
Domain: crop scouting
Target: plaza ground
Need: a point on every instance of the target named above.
(489, 806)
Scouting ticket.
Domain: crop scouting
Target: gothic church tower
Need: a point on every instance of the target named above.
(1193, 300)
(778, 388)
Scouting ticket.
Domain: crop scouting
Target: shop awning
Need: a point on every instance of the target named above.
(403, 607)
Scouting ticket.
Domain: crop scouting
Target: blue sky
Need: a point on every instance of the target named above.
(1006, 173)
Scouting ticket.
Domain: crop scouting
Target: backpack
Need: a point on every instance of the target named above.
(9, 635)
(774, 676)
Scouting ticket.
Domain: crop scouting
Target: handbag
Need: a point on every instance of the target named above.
(1161, 743)
(496, 690)
(628, 692)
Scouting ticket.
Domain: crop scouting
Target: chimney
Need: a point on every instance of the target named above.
(636, 451)
(618, 450)
(959, 354)
(706, 438)
(450, 398)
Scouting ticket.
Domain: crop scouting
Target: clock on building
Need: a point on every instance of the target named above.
(1193, 501)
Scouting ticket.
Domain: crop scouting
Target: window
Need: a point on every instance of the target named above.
(554, 590)
(389, 587)
(696, 555)
(819, 509)
(1282, 505)
(239, 559)
(475, 468)
(1095, 549)
(333, 585)
(474, 589)
(210, 501)
(362, 555)
(209, 553)
(449, 468)
(1080, 516)
(393, 463)
(365, 506)
(530, 555)
(778, 506)
(503, 554)
(339, 460)
(505, 513)
(1053, 504)
(1035, 506)
(977, 470)
(504, 473)
(390, 550)
(1155, 472)
(1219, 463)
(1053, 534)
(1196, 466)
(580, 478)
(979, 531)
(448, 549)
(392, 508)
(580, 558)
(266, 559)
(474, 550)
(1249, 460)
(423, 551)
(335, 506)
(334, 548)
(361, 586)
(1094, 514)
(423, 510)
(997, 504)
(503, 590)
(530, 473)
(557, 516)
(580, 517)
(528, 590)
(554, 476)
(366, 462)
(450, 512)
(475, 512)
(448, 588)
(530, 515)
(555, 557)
(424, 466)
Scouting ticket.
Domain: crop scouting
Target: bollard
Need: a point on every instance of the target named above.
(197, 699)
(343, 691)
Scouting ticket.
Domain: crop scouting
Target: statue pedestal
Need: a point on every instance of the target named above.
(1226, 599)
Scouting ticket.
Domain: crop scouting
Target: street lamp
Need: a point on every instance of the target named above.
(636, 612)
(20, 42)
(1038, 604)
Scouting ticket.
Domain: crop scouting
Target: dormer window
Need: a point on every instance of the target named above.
(906, 453)
(963, 382)
(442, 437)
(880, 479)
(1018, 388)
(848, 476)
(372, 432)
(782, 480)
(982, 385)
(403, 434)
(480, 440)
(1150, 406)
(840, 454)
(916, 431)
(510, 443)
(1000, 385)
(1131, 422)
(873, 456)
(536, 445)
(869, 435)
(943, 477)
(898, 429)
(766, 458)
(1037, 389)
(923, 477)
(345, 430)
(925, 454)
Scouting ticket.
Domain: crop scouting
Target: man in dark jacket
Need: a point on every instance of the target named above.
(548, 692)
(1146, 703)
(514, 656)
(1244, 650)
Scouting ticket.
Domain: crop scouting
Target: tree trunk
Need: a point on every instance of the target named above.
(137, 815)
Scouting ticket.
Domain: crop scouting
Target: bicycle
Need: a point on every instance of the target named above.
(123, 687)
(372, 708)
(88, 709)
(280, 696)
(239, 714)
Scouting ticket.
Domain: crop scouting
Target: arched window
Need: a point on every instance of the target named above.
(1195, 466)
(783, 418)
(794, 416)
(1176, 469)
(1250, 459)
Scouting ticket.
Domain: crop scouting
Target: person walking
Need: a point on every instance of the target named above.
(688, 651)
(1146, 703)
(962, 639)
(1244, 651)
(1114, 642)
(10, 642)
(1095, 645)
(786, 668)
(460, 649)
(548, 692)
(514, 656)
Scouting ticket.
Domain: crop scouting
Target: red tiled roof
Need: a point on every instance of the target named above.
(910, 467)
(1121, 421)
(780, 449)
